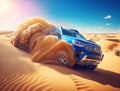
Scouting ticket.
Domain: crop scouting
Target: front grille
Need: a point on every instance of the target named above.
(92, 48)
(95, 53)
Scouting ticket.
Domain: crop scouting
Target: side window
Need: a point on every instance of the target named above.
(77, 36)
(55, 32)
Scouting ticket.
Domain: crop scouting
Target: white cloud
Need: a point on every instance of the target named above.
(108, 24)
(108, 17)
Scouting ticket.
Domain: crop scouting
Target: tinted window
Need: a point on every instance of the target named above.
(55, 32)
(67, 32)
(72, 33)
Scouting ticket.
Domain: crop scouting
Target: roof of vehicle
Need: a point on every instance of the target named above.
(74, 30)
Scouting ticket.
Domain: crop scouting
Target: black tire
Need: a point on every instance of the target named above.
(117, 52)
(91, 67)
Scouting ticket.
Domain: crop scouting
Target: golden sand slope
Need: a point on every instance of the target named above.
(19, 73)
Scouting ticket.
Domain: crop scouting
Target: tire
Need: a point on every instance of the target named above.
(117, 52)
(91, 67)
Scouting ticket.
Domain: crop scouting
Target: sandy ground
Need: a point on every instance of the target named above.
(19, 73)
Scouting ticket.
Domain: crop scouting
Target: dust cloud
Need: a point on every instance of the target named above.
(32, 37)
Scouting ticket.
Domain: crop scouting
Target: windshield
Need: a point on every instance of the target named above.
(72, 33)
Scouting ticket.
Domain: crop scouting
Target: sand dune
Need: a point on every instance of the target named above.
(36, 70)
(109, 44)
(19, 73)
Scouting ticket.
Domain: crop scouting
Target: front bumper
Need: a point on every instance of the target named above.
(90, 61)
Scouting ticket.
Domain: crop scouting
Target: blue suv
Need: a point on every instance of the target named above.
(86, 52)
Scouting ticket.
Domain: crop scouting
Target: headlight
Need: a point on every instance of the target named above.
(97, 49)
(77, 43)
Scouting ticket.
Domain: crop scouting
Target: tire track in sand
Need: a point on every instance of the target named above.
(80, 85)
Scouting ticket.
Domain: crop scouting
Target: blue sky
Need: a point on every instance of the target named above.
(84, 15)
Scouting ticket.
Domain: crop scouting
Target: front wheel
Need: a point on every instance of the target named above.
(92, 67)
(117, 52)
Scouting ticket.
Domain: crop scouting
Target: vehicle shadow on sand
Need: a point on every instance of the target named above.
(99, 75)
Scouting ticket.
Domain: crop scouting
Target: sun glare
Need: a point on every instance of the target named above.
(4, 6)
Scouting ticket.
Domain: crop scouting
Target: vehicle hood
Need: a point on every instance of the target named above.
(69, 39)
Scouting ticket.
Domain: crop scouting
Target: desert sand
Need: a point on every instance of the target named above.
(19, 73)
(29, 61)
